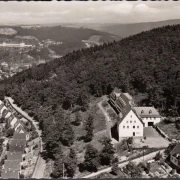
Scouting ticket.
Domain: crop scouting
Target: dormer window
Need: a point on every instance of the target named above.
(142, 112)
(150, 112)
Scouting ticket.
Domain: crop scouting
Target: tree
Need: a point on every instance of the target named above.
(133, 170)
(71, 163)
(2, 119)
(91, 159)
(158, 156)
(77, 120)
(67, 135)
(107, 152)
(115, 167)
(89, 129)
(58, 164)
(9, 132)
(130, 140)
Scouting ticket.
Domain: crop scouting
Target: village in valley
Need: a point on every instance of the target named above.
(90, 92)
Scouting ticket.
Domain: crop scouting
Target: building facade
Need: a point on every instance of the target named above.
(131, 119)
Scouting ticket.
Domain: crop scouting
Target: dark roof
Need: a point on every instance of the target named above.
(12, 165)
(176, 150)
(147, 112)
(124, 113)
(19, 136)
(10, 174)
(17, 145)
(14, 155)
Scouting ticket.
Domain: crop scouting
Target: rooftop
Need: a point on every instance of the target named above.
(146, 112)
(19, 136)
(12, 165)
(14, 155)
(5, 174)
(176, 150)
(17, 145)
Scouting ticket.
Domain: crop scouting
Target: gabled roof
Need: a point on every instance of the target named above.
(14, 155)
(126, 112)
(147, 112)
(12, 165)
(14, 174)
(19, 129)
(17, 145)
(176, 150)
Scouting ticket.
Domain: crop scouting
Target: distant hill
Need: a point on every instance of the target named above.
(70, 37)
(146, 63)
(125, 30)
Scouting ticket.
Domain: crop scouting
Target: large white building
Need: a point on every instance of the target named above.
(132, 119)
(131, 125)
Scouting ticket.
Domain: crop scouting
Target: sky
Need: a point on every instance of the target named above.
(15, 12)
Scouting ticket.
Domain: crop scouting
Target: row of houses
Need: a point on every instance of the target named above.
(9, 118)
(16, 147)
(132, 119)
(15, 155)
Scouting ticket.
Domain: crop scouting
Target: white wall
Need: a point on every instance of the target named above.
(154, 120)
(130, 120)
(12, 123)
(8, 115)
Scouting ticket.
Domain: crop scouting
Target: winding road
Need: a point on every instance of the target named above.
(41, 163)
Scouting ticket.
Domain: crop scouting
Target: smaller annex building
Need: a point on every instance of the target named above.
(131, 119)
(149, 115)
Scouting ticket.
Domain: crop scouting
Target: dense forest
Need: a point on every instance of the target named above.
(144, 63)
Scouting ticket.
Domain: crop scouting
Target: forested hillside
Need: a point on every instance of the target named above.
(145, 63)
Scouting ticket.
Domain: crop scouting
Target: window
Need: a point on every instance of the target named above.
(133, 126)
(127, 122)
(130, 121)
(150, 112)
(123, 126)
(128, 127)
(154, 118)
(137, 126)
(142, 112)
(131, 116)
(134, 121)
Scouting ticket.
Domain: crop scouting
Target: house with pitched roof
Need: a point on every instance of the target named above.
(17, 145)
(12, 165)
(149, 115)
(12, 156)
(21, 136)
(130, 125)
(131, 120)
(10, 174)
(175, 156)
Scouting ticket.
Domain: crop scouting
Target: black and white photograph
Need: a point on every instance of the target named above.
(89, 89)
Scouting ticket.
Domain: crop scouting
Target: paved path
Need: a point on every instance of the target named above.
(137, 160)
(40, 165)
(108, 120)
